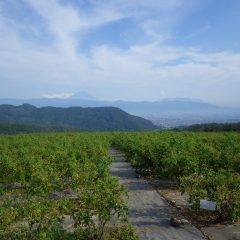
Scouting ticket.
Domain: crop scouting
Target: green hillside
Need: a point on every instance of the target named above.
(215, 127)
(15, 128)
(78, 118)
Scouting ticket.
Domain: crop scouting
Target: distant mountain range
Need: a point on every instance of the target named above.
(144, 107)
(168, 112)
(78, 118)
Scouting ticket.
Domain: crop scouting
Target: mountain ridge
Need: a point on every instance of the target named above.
(85, 119)
(167, 112)
(130, 106)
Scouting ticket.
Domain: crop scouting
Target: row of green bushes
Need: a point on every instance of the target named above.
(46, 177)
(206, 165)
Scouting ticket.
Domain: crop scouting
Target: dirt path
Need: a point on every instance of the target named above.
(149, 212)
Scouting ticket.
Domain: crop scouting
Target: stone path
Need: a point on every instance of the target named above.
(223, 232)
(149, 213)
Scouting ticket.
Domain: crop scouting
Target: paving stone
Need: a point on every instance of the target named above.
(223, 232)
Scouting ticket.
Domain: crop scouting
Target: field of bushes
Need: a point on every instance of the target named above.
(205, 165)
(58, 185)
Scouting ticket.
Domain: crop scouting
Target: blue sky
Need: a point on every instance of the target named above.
(121, 49)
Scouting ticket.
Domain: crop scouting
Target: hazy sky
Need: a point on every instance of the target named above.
(121, 49)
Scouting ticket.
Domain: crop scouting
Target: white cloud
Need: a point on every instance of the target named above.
(149, 71)
(58, 95)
